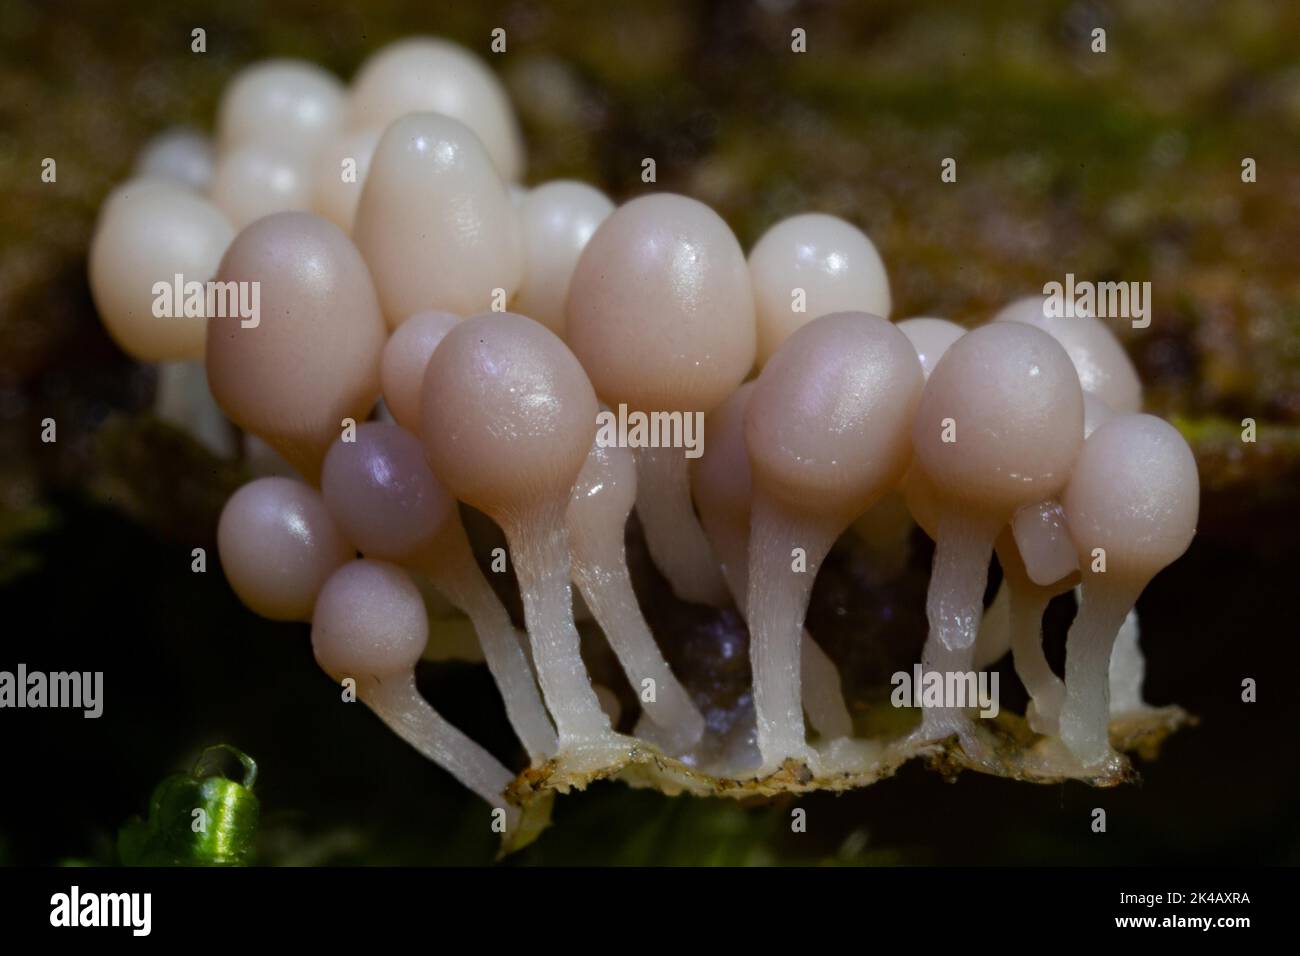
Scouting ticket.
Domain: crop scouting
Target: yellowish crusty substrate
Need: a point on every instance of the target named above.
(1016, 753)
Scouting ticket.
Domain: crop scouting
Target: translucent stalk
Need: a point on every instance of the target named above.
(399, 704)
(450, 565)
(823, 693)
(1028, 603)
(777, 604)
(994, 638)
(539, 544)
(1085, 715)
(600, 571)
(1127, 668)
(954, 607)
(672, 531)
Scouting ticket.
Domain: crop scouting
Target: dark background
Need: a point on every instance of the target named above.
(1123, 165)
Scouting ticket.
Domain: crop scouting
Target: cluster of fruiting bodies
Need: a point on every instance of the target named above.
(385, 231)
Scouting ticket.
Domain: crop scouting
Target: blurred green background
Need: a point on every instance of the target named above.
(1117, 166)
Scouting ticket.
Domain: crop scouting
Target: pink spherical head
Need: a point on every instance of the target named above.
(828, 425)
(405, 358)
(508, 413)
(369, 622)
(1000, 421)
(310, 358)
(278, 544)
(382, 494)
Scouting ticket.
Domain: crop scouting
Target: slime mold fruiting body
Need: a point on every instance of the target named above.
(369, 626)
(723, 488)
(661, 313)
(181, 155)
(508, 419)
(312, 360)
(431, 196)
(827, 434)
(557, 219)
(999, 425)
(830, 262)
(404, 360)
(290, 103)
(278, 545)
(429, 74)
(149, 232)
(1132, 505)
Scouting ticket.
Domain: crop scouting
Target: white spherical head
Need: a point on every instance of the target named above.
(1095, 413)
(435, 222)
(1104, 368)
(1028, 309)
(557, 220)
(338, 174)
(178, 155)
(130, 190)
(1135, 494)
(430, 75)
(606, 488)
(660, 311)
(290, 104)
(1040, 536)
(149, 233)
(258, 179)
(833, 262)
